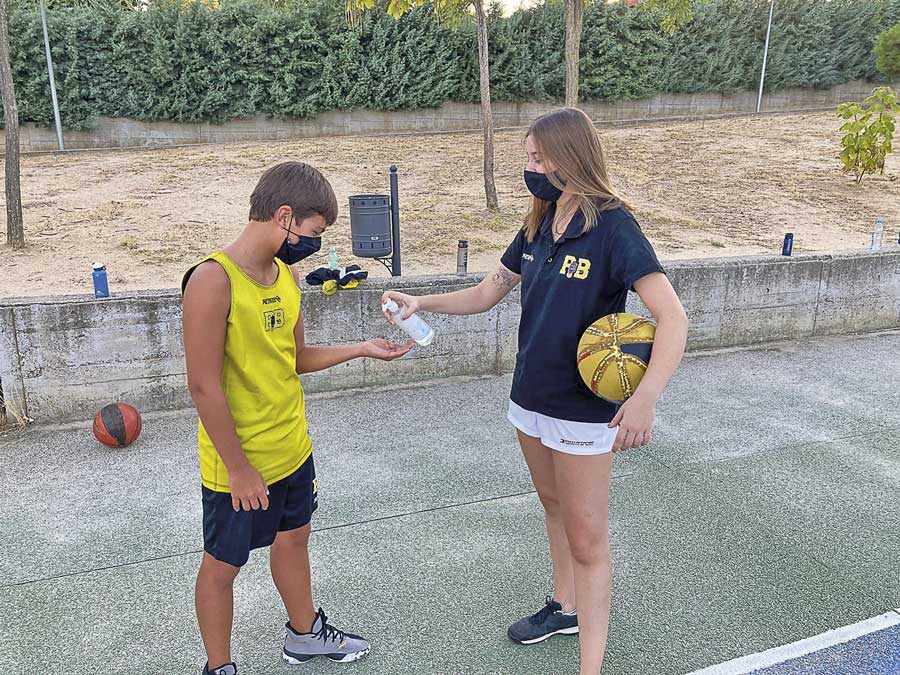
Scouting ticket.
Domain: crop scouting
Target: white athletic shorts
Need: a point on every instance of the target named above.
(573, 438)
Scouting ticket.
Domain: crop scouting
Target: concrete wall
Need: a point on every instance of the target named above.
(63, 357)
(123, 133)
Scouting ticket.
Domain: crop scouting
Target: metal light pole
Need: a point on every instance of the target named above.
(59, 134)
(762, 77)
(395, 222)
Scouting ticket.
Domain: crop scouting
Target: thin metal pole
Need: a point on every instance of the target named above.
(762, 77)
(395, 222)
(59, 134)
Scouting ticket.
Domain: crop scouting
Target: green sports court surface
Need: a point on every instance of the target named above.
(759, 533)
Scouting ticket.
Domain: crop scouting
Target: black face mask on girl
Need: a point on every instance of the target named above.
(541, 187)
(293, 253)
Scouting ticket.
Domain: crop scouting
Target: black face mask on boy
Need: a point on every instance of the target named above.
(293, 253)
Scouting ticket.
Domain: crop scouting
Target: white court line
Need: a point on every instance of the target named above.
(794, 650)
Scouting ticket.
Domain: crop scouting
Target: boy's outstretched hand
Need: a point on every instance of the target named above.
(385, 350)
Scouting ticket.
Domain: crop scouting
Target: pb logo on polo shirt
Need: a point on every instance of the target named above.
(575, 267)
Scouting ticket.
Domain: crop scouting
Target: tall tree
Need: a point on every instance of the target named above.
(675, 13)
(454, 10)
(15, 228)
(487, 115)
(574, 15)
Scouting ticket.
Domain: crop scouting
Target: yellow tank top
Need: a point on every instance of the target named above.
(259, 377)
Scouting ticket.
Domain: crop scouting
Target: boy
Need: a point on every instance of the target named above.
(244, 346)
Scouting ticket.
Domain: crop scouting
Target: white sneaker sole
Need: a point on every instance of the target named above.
(349, 658)
(561, 631)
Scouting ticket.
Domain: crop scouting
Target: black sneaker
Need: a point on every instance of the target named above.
(227, 669)
(545, 623)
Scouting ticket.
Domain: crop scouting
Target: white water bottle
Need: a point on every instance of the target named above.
(877, 236)
(414, 326)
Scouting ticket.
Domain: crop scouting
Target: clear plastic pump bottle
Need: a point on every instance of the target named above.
(414, 326)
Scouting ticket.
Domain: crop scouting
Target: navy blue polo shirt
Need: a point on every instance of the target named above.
(566, 286)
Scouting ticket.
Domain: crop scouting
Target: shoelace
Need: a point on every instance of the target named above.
(326, 632)
(541, 615)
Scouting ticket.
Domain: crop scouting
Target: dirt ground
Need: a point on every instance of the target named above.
(699, 189)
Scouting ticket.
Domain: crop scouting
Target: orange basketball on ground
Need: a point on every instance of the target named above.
(117, 424)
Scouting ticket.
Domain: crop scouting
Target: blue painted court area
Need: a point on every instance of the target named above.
(870, 647)
(875, 654)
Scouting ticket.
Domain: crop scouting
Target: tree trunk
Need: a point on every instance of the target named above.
(574, 16)
(15, 231)
(487, 117)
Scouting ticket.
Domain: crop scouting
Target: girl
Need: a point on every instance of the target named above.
(577, 256)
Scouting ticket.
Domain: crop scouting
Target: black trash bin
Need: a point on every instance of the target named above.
(370, 225)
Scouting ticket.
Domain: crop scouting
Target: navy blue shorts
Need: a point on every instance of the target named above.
(229, 535)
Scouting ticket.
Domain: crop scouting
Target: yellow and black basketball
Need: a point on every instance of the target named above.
(613, 354)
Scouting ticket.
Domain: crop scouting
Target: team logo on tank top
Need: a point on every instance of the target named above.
(273, 319)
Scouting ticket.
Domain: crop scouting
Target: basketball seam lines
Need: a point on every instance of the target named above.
(618, 338)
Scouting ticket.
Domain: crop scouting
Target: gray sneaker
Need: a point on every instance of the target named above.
(324, 640)
(227, 669)
(545, 623)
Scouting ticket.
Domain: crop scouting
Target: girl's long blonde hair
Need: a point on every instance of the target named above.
(567, 138)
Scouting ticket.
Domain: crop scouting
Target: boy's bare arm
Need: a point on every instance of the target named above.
(207, 301)
(312, 359)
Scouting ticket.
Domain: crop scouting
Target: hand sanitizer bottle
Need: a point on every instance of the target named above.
(414, 326)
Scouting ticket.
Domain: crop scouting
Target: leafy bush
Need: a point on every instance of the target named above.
(868, 133)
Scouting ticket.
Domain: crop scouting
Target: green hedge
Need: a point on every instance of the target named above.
(189, 63)
(887, 52)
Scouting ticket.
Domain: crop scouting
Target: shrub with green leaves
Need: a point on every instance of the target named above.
(212, 61)
(868, 132)
(887, 52)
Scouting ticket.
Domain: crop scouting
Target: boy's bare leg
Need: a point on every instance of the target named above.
(214, 599)
(289, 561)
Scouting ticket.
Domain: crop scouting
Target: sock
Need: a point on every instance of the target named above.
(350, 274)
(321, 275)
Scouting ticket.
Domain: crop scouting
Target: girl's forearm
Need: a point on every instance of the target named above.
(467, 301)
(668, 348)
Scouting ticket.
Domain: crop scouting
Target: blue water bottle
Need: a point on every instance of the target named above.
(788, 246)
(101, 284)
